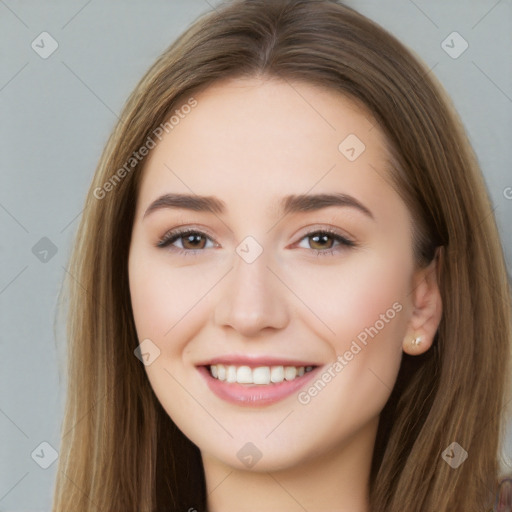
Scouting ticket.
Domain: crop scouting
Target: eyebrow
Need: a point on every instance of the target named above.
(288, 204)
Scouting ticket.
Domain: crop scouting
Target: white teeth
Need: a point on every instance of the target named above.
(231, 374)
(277, 374)
(290, 372)
(243, 375)
(263, 375)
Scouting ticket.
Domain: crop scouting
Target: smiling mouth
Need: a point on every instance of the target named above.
(259, 375)
(256, 385)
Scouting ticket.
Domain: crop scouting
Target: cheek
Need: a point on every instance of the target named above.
(166, 301)
(366, 307)
(364, 310)
(153, 303)
(373, 300)
(167, 309)
(367, 290)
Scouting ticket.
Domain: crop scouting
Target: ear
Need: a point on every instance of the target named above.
(427, 307)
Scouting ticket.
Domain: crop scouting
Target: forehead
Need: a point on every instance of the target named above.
(251, 141)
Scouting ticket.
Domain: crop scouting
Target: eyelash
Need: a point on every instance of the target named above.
(171, 236)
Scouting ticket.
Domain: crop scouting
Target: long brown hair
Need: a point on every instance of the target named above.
(120, 451)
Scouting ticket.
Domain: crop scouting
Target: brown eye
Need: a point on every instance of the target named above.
(193, 241)
(190, 240)
(322, 242)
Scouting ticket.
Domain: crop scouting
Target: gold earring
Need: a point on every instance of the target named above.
(416, 341)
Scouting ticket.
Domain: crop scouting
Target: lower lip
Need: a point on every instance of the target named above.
(254, 395)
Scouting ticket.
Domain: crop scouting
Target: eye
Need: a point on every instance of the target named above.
(192, 241)
(321, 237)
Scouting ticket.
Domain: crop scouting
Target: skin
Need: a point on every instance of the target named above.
(250, 142)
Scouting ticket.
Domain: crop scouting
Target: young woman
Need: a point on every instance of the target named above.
(288, 287)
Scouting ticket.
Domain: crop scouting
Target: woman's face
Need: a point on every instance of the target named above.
(260, 286)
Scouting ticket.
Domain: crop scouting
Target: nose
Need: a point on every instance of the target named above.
(252, 298)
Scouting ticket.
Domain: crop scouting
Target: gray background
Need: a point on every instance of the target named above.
(56, 114)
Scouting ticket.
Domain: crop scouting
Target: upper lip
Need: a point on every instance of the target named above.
(255, 361)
